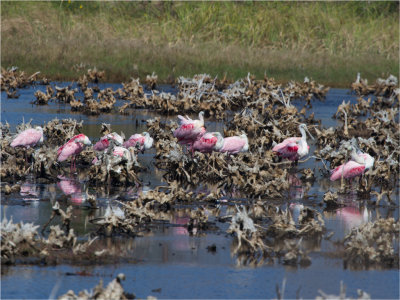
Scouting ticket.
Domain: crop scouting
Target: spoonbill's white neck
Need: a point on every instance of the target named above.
(303, 133)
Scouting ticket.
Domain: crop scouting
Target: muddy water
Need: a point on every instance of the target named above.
(167, 262)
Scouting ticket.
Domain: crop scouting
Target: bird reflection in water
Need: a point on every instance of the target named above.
(351, 215)
(72, 188)
(29, 191)
(182, 240)
(297, 189)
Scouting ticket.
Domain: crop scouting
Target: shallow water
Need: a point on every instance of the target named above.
(168, 257)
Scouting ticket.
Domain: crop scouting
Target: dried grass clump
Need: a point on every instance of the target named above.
(374, 244)
(11, 81)
(22, 241)
(382, 87)
(114, 169)
(42, 98)
(114, 290)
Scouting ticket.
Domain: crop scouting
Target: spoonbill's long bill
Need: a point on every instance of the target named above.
(232, 144)
(104, 141)
(143, 141)
(294, 148)
(72, 148)
(190, 130)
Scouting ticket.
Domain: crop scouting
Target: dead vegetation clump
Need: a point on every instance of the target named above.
(274, 235)
(17, 240)
(65, 94)
(151, 81)
(203, 93)
(114, 290)
(22, 241)
(95, 75)
(57, 131)
(42, 98)
(11, 80)
(114, 169)
(374, 244)
(382, 87)
(104, 103)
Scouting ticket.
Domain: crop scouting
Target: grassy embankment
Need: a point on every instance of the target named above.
(329, 42)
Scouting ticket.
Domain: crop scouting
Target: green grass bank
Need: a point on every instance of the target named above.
(329, 42)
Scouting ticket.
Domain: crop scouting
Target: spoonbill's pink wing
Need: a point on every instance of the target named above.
(285, 142)
(288, 150)
(205, 144)
(134, 140)
(68, 150)
(233, 144)
(349, 170)
(71, 141)
(27, 138)
(101, 145)
(188, 133)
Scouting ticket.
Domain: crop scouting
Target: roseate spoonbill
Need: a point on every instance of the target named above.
(28, 138)
(143, 141)
(294, 148)
(104, 141)
(206, 143)
(190, 130)
(232, 144)
(353, 168)
(72, 148)
(122, 152)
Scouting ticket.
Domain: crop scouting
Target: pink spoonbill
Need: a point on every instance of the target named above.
(232, 144)
(104, 141)
(357, 166)
(206, 143)
(143, 141)
(28, 138)
(294, 148)
(72, 148)
(190, 130)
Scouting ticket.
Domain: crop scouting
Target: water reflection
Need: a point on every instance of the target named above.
(72, 188)
(352, 214)
(296, 189)
(29, 191)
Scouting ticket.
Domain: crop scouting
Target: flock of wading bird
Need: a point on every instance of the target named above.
(193, 134)
(256, 158)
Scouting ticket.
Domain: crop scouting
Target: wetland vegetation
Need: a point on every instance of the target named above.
(329, 42)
